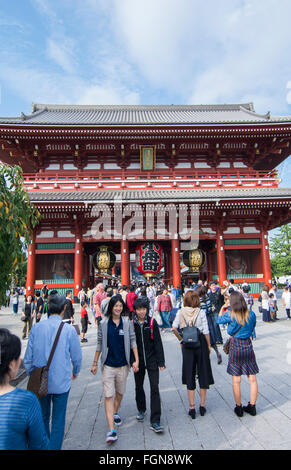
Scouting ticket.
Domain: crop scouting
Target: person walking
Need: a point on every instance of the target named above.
(7, 296)
(266, 317)
(115, 339)
(97, 299)
(164, 307)
(68, 316)
(130, 299)
(21, 423)
(151, 293)
(105, 302)
(286, 301)
(205, 304)
(84, 321)
(241, 360)
(28, 314)
(195, 360)
(82, 295)
(151, 358)
(273, 290)
(68, 353)
(15, 301)
(123, 292)
(39, 306)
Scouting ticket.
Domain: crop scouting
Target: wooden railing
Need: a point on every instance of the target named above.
(68, 180)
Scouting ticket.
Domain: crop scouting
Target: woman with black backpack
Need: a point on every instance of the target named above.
(191, 329)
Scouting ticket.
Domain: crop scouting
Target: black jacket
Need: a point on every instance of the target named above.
(150, 351)
(69, 310)
(217, 300)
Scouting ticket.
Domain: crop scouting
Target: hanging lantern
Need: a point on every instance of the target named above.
(104, 260)
(149, 260)
(194, 259)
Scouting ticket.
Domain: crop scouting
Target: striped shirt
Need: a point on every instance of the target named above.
(206, 305)
(21, 423)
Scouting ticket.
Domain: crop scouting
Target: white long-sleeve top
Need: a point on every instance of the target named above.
(201, 322)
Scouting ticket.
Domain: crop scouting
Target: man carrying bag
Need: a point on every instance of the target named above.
(64, 353)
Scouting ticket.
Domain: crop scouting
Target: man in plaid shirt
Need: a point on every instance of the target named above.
(164, 307)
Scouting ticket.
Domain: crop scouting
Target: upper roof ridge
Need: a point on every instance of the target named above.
(193, 107)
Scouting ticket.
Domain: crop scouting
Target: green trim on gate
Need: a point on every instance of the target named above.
(239, 276)
(55, 246)
(255, 287)
(57, 281)
(62, 290)
(242, 241)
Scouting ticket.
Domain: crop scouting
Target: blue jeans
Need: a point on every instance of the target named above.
(58, 413)
(165, 317)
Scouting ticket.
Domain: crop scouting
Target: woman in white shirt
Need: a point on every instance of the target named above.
(286, 301)
(195, 360)
(266, 316)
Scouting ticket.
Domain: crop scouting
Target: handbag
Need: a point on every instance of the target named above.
(77, 329)
(38, 379)
(191, 336)
(226, 345)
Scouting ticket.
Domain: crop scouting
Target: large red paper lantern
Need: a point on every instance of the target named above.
(149, 258)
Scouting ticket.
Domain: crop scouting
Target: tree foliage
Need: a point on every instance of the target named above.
(18, 216)
(280, 249)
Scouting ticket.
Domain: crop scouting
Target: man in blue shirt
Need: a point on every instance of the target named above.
(68, 351)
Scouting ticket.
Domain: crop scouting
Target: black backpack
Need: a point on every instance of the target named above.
(191, 336)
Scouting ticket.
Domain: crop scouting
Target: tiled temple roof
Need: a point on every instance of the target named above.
(195, 195)
(122, 115)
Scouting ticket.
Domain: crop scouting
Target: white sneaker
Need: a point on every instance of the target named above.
(111, 436)
(117, 419)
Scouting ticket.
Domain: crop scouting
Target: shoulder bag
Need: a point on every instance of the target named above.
(38, 379)
(226, 345)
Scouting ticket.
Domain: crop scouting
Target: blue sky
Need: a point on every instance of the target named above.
(146, 52)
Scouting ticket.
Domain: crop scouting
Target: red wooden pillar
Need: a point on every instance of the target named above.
(31, 263)
(266, 258)
(78, 270)
(176, 269)
(125, 263)
(221, 263)
(87, 269)
(209, 267)
(167, 266)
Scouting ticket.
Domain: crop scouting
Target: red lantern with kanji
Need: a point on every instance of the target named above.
(149, 260)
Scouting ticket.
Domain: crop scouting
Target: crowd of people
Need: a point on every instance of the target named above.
(131, 321)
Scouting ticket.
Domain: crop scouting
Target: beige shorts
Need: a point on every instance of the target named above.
(114, 380)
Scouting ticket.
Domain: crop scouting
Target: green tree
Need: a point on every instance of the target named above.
(280, 250)
(18, 216)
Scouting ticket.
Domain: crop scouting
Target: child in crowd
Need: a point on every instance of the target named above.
(272, 306)
(151, 358)
(84, 321)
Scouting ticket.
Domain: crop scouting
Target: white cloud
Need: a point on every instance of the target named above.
(187, 51)
(61, 51)
(210, 52)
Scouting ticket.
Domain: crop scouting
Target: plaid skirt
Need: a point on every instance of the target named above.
(242, 359)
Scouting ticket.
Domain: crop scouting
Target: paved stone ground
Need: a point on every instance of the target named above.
(219, 429)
